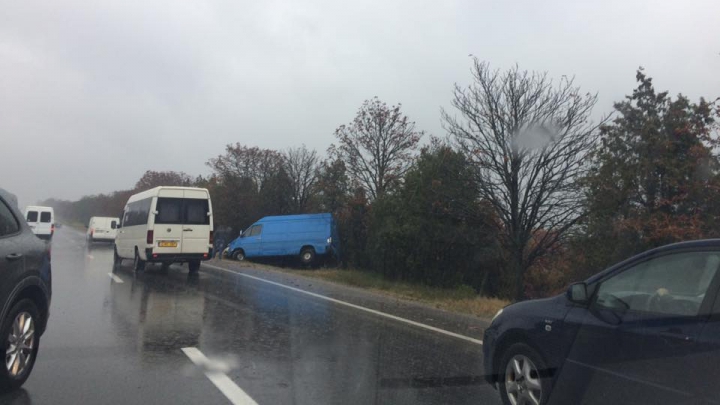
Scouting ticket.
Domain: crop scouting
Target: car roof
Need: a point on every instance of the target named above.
(9, 197)
(38, 208)
(295, 217)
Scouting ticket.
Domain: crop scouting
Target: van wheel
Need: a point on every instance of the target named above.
(238, 255)
(138, 264)
(165, 267)
(523, 376)
(307, 256)
(19, 338)
(194, 266)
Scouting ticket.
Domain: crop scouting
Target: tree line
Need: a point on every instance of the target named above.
(524, 194)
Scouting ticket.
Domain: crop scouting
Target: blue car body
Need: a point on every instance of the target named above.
(288, 235)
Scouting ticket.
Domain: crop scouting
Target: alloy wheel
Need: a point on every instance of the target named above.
(522, 382)
(21, 343)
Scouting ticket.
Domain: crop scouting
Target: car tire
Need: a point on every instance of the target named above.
(30, 313)
(522, 374)
(307, 256)
(117, 260)
(238, 255)
(194, 266)
(138, 263)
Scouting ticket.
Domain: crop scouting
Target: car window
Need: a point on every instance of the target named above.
(45, 217)
(196, 212)
(169, 211)
(673, 284)
(8, 223)
(255, 230)
(32, 216)
(113, 224)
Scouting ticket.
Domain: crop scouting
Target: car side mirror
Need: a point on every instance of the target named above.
(118, 226)
(578, 293)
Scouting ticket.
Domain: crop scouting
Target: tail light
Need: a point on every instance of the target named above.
(92, 232)
(149, 239)
(211, 237)
(52, 229)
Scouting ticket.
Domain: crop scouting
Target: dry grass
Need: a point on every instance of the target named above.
(462, 299)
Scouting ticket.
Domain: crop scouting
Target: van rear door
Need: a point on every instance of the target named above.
(32, 217)
(168, 228)
(197, 222)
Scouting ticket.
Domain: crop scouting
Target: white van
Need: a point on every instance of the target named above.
(101, 229)
(166, 225)
(41, 220)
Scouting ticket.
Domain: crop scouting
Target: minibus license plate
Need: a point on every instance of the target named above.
(167, 243)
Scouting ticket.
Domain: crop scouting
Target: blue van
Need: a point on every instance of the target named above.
(306, 236)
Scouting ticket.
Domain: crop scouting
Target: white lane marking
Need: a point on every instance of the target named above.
(115, 278)
(372, 311)
(91, 257)
(234, 393)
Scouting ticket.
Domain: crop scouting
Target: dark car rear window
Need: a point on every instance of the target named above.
(32, 216)
(45, 216)
(8, 224)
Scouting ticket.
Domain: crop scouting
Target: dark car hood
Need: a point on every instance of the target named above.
(551, 308)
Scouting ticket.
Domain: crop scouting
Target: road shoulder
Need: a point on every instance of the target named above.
(466, 325)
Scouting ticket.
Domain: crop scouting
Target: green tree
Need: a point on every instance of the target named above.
(434, 230)
(654, 178)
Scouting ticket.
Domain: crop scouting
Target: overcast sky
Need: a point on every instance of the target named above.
(93, 93)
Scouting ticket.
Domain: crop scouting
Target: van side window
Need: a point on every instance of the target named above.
(137, 212)
(113, 224)
(45, 217)
(8, 223)
(32, 216)
(169, 211)
(255, 230)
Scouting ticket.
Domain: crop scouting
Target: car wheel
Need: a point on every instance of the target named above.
(20, 340)
(138, 264)
(523, 376)
(307, 256)
(238, 255)
(194, 266)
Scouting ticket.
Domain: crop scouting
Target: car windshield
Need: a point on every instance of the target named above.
(369, 202)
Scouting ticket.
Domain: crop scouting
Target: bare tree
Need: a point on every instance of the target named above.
(243, 162)
(377, 147)
(529, 141)
(301, 166)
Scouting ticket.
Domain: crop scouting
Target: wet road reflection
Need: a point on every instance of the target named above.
(120, 342)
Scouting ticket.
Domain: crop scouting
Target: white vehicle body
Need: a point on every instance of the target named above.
(41, 220)
(102, 229)
(167, 225)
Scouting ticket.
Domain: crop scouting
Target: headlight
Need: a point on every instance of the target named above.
(496, 315)
(329, 240)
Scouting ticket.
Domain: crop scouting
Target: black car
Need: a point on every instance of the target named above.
(25, 289)
(645, 331)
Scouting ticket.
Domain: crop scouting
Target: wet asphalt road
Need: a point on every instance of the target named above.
(115, 342)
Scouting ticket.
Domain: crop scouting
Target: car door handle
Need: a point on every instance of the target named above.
(187, 230)
(13, 256)
(675, 335)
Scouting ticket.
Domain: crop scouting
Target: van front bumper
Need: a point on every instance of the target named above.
(176, 257)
